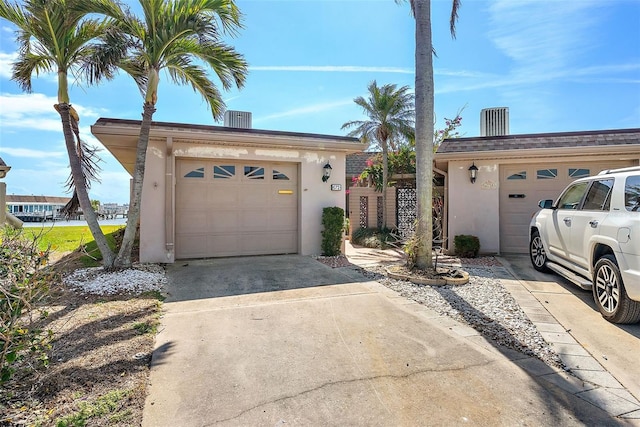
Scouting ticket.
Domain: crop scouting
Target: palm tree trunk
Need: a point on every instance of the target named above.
(424, 132)
(385, 181)
(81, 188)
(124, 255)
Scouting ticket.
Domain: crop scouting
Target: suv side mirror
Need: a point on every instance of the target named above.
(545, 204)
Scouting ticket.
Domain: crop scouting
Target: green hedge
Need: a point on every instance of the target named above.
(466, 246)
(333, 222)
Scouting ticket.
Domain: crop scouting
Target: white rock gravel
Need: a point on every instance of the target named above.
(484, 304)
(140, 278)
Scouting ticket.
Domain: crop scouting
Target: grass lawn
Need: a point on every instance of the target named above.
(69, 239)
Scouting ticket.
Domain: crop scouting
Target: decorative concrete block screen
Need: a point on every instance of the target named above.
(365, 207)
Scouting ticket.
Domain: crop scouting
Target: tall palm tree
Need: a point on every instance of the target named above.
(424, 124)
(391, 119)
(56, 36)
(183, 38)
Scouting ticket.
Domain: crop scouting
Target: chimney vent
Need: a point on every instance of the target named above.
(494, 121)
(237, 119)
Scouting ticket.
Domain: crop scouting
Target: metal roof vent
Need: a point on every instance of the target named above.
(494, 121)
(237, 119)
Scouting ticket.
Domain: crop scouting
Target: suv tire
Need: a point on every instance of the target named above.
(610, 295)
(536, 252)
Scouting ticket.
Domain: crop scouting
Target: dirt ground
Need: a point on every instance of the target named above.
(99, 361)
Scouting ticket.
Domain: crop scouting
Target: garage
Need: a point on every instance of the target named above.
(231, 208)
(493, 183)
(523, 185)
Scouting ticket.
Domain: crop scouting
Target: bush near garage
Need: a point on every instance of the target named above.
(333, 222)
(466, 246)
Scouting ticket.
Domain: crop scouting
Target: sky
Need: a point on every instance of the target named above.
(557, 65)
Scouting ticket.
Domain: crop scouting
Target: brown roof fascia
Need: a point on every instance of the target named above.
(532, 142)
(103, 121)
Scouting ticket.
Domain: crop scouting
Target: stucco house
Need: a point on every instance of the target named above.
(514, 172)
(213, 191)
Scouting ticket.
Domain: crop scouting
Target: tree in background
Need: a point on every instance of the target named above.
(391, 118)
(181, 37)
(56, 36)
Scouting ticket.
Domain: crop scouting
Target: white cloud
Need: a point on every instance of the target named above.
(35, 111)
(31, 154)
(6, 63)
(333, 69)
(309, 109)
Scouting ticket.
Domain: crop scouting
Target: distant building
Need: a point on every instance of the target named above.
(36, 208)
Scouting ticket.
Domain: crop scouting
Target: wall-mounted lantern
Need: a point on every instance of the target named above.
(326, 172)
(473, 172)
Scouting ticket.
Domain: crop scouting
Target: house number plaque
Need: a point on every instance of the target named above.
(336, 187)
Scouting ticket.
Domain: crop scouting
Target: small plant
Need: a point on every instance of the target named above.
(380, 238)
(411, 249)
(23, 283)
(333, 222)
(466, 246)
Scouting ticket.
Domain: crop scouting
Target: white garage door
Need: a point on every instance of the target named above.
(230, 208)
(523, 186)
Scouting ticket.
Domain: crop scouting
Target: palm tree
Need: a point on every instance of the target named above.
(183, 38)
(391, 118)
(424, 124)
(55, 36)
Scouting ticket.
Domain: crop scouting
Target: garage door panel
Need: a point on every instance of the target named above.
(225, 222)
(282, 220)
(536, 181)
(230, 212)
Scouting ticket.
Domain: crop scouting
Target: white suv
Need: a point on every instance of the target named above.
(591, 235)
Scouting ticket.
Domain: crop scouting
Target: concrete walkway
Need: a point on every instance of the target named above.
(605, 356)
(287, 340)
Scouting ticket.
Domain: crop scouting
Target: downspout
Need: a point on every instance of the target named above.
(445, 206)
(168, 201)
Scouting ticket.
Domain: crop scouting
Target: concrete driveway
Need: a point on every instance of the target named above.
(286, 340)
(615, 347)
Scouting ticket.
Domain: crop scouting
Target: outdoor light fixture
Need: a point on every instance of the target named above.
(326, 172)
(473, 172)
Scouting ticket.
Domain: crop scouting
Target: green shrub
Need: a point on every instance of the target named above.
(23, 283)
(380, 238)
(466, 246)
(333, 222)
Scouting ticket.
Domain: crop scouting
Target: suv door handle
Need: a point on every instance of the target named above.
(593, 223)
(567, 221)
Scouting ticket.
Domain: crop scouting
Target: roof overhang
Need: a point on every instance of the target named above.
(631, 151)
(120, 137)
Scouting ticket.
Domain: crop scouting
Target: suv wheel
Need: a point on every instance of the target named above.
(536, 252)
(610, 295)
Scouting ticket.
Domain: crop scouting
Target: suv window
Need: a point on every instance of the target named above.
(632, 193)
(571, 198)
(599, 195)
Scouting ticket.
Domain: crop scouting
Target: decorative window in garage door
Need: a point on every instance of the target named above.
(519, 175)
(196, 173)
(254, 172)
(280, 176)
(546, 173)
(578, 173)
(224, 171)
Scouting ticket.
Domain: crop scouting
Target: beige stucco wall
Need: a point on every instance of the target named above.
(314, 194)
(474, 208)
